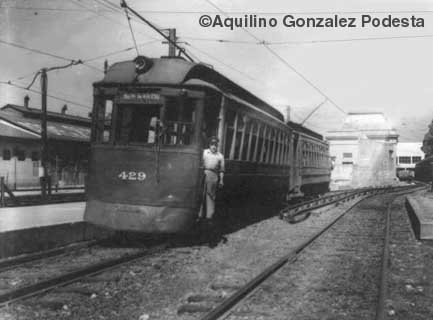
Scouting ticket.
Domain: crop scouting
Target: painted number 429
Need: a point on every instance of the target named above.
(132, 175)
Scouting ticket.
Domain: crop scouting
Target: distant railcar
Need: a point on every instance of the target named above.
(151, 121)
(424, 170)
(408, 155)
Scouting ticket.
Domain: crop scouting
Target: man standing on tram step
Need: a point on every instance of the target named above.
(213, 163)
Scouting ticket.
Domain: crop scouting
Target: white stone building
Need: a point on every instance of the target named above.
(363, 151)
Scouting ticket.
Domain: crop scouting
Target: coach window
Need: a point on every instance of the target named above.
(239, 134)
(272, 143)
(259, 143)
(230, 120)
(265, 145)
(280, 147)
(255, 142)
(249, 140)
(6, 154)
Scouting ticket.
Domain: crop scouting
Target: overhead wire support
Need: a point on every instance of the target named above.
(182, 50)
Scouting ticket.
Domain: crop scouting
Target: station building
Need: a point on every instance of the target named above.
(20, 146)
(363, 151)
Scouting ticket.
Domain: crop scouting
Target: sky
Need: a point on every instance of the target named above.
(360, 69)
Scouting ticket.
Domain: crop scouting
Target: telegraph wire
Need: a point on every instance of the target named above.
(276, 55)
(119, 51)
(84, 61)
(34, 50)
(49, 95)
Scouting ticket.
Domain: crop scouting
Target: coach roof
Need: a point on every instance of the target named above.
(175, 72)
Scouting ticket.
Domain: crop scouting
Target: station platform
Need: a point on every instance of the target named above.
(420, 210)
(36, 228)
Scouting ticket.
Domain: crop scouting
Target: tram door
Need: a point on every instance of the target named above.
(210, 121)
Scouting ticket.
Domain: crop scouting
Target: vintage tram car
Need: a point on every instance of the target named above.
(151, 120)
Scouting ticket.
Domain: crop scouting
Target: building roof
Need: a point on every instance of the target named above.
(17, 126)
(370, 124)
(51, 116)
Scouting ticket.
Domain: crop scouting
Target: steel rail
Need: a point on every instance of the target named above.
(74, 276)
(289, 213)
(8, 263)
(243, 292)
(383, 286)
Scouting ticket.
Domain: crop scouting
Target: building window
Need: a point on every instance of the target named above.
(416, 159)
(405, 160)
(347, 162)
(35, 168)
(19, 154)
(6, 154)
(35, 156)
(347, 155)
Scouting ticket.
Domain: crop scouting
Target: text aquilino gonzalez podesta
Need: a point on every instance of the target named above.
(292, 21)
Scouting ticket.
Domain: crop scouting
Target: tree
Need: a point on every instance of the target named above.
(427, 143)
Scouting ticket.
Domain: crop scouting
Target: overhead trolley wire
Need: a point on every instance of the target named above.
(45, 53)
(76, 2)
(276, 55)
(274, 43)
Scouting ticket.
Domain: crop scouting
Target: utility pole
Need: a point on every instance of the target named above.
(44, 147)
(44, 177)
(173, 39)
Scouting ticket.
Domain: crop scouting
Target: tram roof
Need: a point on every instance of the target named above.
(177, 71)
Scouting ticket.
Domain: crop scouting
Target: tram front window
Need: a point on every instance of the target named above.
(141, 124)
(137, 124)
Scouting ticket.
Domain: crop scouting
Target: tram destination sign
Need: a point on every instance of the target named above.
(140, 97)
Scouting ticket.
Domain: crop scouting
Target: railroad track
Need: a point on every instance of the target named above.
(300, 211)
(66, 278)
(228, 304)
(80, 273)
(32, 200)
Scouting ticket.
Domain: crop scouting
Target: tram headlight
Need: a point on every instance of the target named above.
(142, 64)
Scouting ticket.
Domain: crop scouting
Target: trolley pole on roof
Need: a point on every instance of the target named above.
(44, 147)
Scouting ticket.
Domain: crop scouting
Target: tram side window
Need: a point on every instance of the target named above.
(240, 128)
(246, 141)
(230, 116)
(137, 124)
(259, 143)
(254, 133)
